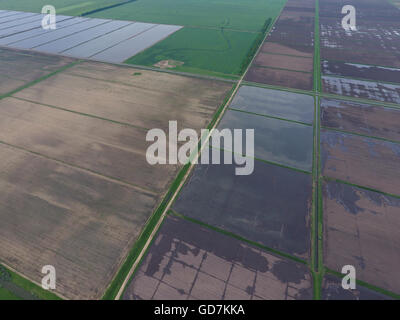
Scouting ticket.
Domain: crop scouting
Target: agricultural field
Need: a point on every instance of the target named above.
(358, 226)
(379, 91)
(286, 56)
(74, 166)
(204, 51)
(332, 290)
(246, 205)
(376, 121)
(218, 42)
(77, 190)
(245, 15)
(19, 68)
(67, 7)
(188, 261)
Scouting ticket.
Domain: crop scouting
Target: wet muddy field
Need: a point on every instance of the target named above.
(383, 92)
(375, 121)
(17, 68)
(284, 62)
(332, 290)
(360, 71)
(362, 161)
(275, 140)
(252, 206)
(361, 229)
(188, 261)
(275, 103)
(284, 78)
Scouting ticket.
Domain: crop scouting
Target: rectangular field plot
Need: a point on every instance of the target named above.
(294, 35)
(361, 229)
(15, 17)
(281, 104)
(204, 51)
(94, 144)
(216, 13)
(277, 77)
(287, 49)
(362, 89)
(147, 99)
(188, 261)
(361, 55)
(360, 71)
(284, 62)
(70, 7)
(254, 206)
(279, 141)
(99, 44)
(36, 41)
(24, 20)
(18, 68)
(7, 39)
(362, 161)
(80, 223)
(76, 189)
(360, 118)
(374, 43)
(332, 290)
(71, 41)
(93, 34)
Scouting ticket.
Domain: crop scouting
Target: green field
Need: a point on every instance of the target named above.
(65, 7)
(234, 14)
(204, 51)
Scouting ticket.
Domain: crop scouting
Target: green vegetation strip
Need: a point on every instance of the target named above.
(317, 254)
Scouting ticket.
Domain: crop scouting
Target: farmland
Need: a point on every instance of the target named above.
(204, 51)
(73, 169)
(245, 15)
(77, 190)
(214, 42)
(67, 7)
(191, 261)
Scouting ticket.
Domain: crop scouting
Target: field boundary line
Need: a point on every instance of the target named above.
(189, 170)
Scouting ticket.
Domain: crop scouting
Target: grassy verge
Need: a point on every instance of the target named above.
(24, 284)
